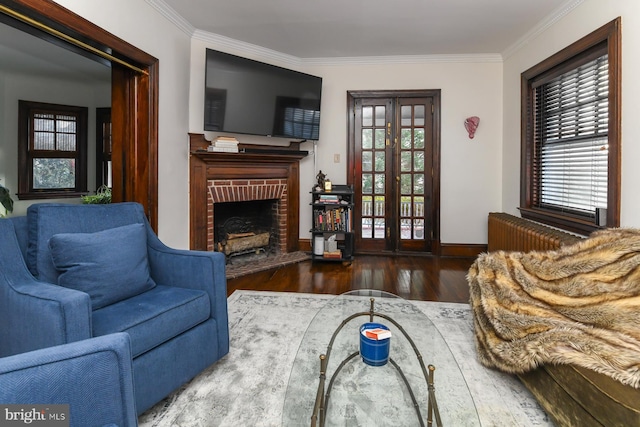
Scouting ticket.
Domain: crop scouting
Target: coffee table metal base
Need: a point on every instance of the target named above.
(322, 397)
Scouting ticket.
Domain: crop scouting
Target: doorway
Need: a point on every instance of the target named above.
(134, 93)
(394, 156)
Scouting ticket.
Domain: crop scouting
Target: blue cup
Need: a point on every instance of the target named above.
(374, 352)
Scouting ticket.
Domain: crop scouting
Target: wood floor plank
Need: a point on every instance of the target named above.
(411, 277)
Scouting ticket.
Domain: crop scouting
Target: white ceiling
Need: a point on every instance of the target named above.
(369, 28)
(320, 29)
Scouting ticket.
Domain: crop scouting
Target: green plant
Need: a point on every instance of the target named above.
(6, 200)
(102, 197)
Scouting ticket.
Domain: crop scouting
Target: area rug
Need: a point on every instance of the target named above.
(248, 386)
(248, 264)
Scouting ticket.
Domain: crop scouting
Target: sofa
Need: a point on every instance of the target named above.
(92, 379)
(73, 272)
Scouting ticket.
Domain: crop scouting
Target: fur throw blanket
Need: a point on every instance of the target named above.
(577, 305)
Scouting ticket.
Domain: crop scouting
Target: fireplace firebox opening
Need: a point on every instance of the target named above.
(246, 227)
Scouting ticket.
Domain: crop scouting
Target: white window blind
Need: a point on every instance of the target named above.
(571, 140)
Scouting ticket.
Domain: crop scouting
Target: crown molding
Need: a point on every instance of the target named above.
(542, 26)
(168, 12)
(404, 59)
(227, 43)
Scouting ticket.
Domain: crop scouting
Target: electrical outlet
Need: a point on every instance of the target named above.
(336, 158)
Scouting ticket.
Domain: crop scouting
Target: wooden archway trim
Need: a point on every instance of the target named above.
(134, 102)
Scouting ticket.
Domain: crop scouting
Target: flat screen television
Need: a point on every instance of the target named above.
(251, 97)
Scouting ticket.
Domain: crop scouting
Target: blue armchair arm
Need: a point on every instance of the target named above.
(39, 314)
(94, 377)
(194, 270)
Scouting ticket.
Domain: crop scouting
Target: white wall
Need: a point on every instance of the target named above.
(472, 181)
(470, 173)
(586, 18)
(15, 87)
(136, 22)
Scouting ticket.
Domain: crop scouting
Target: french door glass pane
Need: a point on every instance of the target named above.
(405, 206)
(405, 115)
(419, 115)
(418, 206)
(367, 139)
(405, 161)
(367, 161)
(381, 115)
(405, 229)
(367, 183)
(367, 116)
(418, 139)
(418, 161)
(418, 229)
(405, 139)
(380, 139)
(379, 185)
(405, 183)
(418, 183)
(380, 161)
(379, 228)
(379, 206)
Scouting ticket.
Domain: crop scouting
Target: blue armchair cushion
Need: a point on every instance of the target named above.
(44, 220)
(153, 317)
(109, 265)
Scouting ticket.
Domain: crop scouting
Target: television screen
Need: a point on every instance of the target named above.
(251, 97)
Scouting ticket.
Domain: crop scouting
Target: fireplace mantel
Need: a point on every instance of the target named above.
(260, 164)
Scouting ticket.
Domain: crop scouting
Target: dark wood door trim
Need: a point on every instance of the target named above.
(134, 100)
(352, 96)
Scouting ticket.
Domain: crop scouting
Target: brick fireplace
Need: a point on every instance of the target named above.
(242, 190)
(257, 174)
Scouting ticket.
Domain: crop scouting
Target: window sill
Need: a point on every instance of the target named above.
(558, 220)
(41, 195)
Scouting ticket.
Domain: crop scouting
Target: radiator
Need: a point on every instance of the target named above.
(511, 233)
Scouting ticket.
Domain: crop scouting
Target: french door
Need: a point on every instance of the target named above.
(394, 169)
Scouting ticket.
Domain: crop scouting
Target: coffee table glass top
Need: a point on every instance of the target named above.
(364, 395)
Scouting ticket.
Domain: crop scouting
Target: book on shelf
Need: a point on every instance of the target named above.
(332, 220)
(328, 198)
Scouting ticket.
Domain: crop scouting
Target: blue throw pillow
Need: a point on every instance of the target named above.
(110, 265)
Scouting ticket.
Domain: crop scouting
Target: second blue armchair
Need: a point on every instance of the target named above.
(73, 272)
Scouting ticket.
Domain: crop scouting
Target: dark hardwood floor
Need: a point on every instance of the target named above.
(423, 278)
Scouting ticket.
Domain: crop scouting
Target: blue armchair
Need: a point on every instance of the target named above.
(73, 272)
(94, 377)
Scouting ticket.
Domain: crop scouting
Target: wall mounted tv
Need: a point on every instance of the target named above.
(251, 97)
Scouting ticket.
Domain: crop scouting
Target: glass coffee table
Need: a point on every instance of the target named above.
(330, 385)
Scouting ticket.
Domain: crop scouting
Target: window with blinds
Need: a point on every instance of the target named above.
(52, 146)
(571, 134)
(571, 140)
